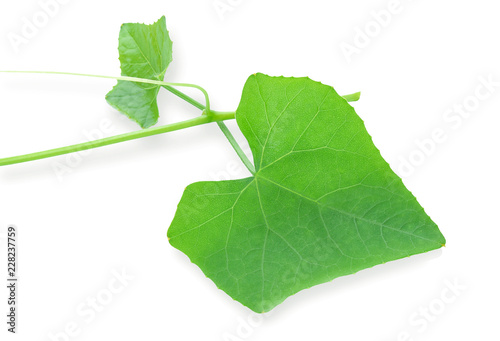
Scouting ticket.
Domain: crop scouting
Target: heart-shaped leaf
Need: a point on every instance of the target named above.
(323, 203)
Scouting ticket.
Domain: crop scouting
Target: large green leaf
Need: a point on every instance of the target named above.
(145, 52)
(322, 204)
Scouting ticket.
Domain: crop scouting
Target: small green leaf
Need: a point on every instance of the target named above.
(322, 204)
(145, 52)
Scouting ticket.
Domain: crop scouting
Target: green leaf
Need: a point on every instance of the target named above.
(322, 204)
(145, 52)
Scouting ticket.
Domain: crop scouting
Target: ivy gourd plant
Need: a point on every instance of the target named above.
(321, 202)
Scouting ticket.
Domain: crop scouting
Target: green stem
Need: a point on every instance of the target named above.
(130, 79)
(248, 164)
(352, 97)
(209, 116)
(236, 147)
(203, 119)
(225, 130)
(185, 97)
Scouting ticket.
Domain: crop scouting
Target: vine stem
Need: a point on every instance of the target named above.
(168, 86)
(207, 117)
(236, 147)
(203, 119)
(128, 79)
(225, 130)
(185, 97)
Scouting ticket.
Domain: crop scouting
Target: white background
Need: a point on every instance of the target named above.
(112, 211)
